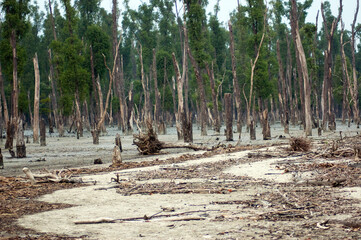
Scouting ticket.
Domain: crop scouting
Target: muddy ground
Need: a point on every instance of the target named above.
(258, 190)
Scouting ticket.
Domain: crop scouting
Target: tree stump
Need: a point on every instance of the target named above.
(9, 135)
(229, 116)
(266, 126)
(118, 142)
(187, 128)
(252, 130)
(95, 133)
(1, 160)
(42, 133)
(20, 142)
(117, 158)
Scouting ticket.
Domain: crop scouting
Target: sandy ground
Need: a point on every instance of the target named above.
(238, 212)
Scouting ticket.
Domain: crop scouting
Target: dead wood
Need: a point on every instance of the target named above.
(145, 217)
(149, 143)
(300, 144)
(50, 177)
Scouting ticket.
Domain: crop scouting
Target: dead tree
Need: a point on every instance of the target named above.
(200, 83)
(36, 100)
(282, 93)
(229, 116)
(57, 115)
(300, 55)
(1, 160)
(266, 131)
(42, 133)
(237, 91)
(4, 103)
(20, 142)
(96, 131)
(157, 110)
(328, 67)
(148, 143)
(118, 142)
(145, 85)
(217, 122)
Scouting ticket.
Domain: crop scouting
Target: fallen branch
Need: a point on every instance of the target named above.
(49, 177)
(145, 217)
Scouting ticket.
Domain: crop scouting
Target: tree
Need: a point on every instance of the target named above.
(13, 30)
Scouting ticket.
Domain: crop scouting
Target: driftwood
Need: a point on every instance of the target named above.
(49, 177)
(149, 144)
(146, 218)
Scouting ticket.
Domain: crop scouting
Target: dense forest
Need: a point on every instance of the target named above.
(77, 66)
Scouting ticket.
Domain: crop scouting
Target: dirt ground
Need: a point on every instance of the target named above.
(257, 190)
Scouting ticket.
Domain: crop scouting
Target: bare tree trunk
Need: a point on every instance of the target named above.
(266, 126)
(20, 143)
(97, 127)
(2, 92)
(229, 116)
(289, 82)
(130, 109)
(217, 124)
(42, 132)
(15, 91)
(328, 65)
(302, 59)
(145, 85)
(236, 88)
(200, 83)
(354, 71)
(36, 100)
(283, 92)
(1, 160)
(57, 116)
(122, 102)
(29, 108)
(157, 109)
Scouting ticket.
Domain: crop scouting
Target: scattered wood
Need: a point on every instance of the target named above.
(149, 144)
(300, 144)
(146, 218)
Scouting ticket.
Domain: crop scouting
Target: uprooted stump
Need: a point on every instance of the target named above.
(300, 144)
(149, 143)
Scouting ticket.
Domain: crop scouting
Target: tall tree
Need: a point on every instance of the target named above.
(13, 30)
(302, 66)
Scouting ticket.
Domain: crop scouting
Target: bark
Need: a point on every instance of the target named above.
(289, 82)
(20, 142)
(118, 142)
(130, 109)
(78, 120)
(9, 135)
(266, 126)
(95, 86)
(217, 124)
(283, 99)
(122, 103)
(328, 66)
(15, 91)
(36, 100)
(354, 71)
(145, 85)
(117, 157)
(229, 116)
(52, 20)
(57, 116)
(201, 90)
(303, 64)
(97, 127)
(236, 88)
(42, 132)
(29, 108)
(1, 160)
(4, 103)
(156, 93)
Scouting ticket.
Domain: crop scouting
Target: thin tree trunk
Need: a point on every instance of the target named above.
(29, 108)
(236, 88)
(229, 116)
(122, 102)
(57, 116)
(156, 93)
(36, 100)
(4, 102)
(283, 92)
(354, 71)
(302, 59)
(328, 66)
(217, 124)
(15, 91)
(200, 83)
(145, 85)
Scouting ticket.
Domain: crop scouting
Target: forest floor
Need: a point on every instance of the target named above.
(257, 190)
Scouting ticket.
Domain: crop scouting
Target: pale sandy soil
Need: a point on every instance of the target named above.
(236, 214)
